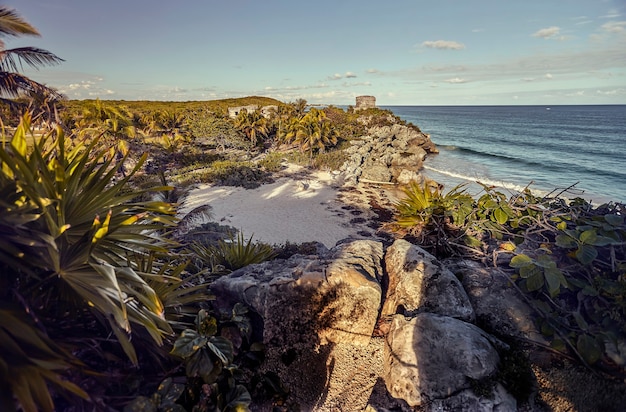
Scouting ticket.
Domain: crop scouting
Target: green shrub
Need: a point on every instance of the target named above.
(272, 162)
(69, 232)
(233, 254)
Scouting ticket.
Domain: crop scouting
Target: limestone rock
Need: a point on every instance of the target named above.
(387, 152)
(329, 298)
(497, 305)
(432, 357)
(418, 282)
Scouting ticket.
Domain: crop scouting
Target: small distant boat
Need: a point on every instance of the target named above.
(547, 108)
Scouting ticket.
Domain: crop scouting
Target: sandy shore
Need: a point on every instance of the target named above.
(298, 207)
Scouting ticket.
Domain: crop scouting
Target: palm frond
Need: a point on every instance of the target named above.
(15, 85)
(13, 60)
(12, 24)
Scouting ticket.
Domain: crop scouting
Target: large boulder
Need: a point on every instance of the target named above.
(430, 357)
(418, 282)
(334, 297)
(498, 306)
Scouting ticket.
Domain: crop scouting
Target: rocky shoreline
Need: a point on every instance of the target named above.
(379, 324)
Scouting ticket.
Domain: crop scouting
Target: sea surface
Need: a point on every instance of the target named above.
(512, 147)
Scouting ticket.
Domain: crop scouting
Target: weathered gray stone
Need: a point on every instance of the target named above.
(498, 306)
(377, 172)
(330, 298)
(418, 282)
(395, 148)
(433, 357)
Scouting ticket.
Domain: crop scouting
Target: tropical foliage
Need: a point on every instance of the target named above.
(569, 259)
(70, 234)
(12, 82)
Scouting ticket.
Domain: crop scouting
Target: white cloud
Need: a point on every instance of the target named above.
(615, 27)
(456, 80)
(443, 45)
(372, 71)
(337, 76)
(552, 32)
(548, 76)
(578, 93)
(611, 14)
(613, 92)
(350, 75)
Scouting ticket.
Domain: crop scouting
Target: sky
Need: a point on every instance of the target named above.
(403, 52)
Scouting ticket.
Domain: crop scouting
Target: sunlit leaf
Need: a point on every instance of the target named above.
(501, 216)
(520, 261)
(588, 236)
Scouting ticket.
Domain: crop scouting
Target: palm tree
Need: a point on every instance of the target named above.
(299, 107)
(253, 124)
(315, 132)
(12, 83)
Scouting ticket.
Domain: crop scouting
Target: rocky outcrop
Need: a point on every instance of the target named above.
(419, 283)
(319, 313)
(497, 305)
(430, 357)
(387, 153)
(332, 297)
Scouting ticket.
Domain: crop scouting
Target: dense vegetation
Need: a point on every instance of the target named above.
(102, 305)
(567, 259)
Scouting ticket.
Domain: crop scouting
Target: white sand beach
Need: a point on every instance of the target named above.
(299, 207)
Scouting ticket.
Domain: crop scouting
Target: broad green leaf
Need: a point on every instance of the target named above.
(604, 241)
(565, 241)
(588, 348)
(222, 348)
(239, 399)
(188, 343)
(590, 291)
(553, 281)
(586, 254)
(614, 220)
(521, 261)
(528, 271)
(545, 261)
(501, 216)
(588, 236)
(559, 345)
(206, 324)
(535, 282)
(201, 365)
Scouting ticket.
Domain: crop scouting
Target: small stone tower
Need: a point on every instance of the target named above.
(365, 102)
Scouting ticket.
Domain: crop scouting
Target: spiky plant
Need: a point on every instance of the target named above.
(232, 254)
(68, 230)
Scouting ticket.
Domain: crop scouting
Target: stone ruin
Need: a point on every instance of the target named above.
(365, 102)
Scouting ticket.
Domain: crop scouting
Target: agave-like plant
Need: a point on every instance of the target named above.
(68, 228)
(232, 254)
(432, 216)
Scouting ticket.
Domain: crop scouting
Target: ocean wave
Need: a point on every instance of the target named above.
(485, 181)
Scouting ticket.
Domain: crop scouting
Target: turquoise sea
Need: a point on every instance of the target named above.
(548, 148)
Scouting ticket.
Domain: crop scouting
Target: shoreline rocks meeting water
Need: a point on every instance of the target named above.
(377, 324)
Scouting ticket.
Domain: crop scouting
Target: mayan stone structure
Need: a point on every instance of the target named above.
(365, 102)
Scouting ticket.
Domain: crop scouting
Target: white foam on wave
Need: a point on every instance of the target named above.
(485, 181)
